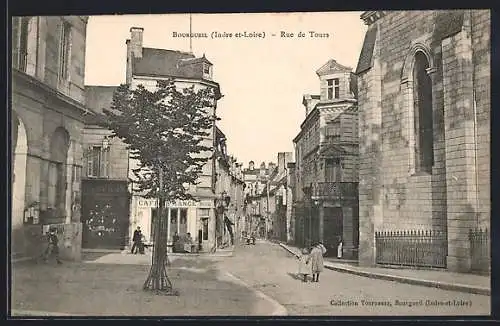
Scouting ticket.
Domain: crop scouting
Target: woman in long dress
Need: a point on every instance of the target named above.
(317, 261)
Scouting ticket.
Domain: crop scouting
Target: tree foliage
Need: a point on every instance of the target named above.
(164, 129)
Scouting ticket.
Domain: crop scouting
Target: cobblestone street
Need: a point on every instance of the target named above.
(271, 269)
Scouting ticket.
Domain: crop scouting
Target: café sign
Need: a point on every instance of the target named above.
(178, 203)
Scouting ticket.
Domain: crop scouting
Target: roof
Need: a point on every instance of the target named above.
(365, 57)
(98, 98)
(306, 97)
(219, 134)
(171, 63)
(332, 65)
(161, 62)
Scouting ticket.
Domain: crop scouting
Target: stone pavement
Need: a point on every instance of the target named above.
(272, 270)
(112, 286)
(461, 282)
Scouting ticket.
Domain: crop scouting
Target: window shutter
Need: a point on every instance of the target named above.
(89, 162)
(106, 164)
(102, 163)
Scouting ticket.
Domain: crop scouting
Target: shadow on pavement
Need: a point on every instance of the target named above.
(295, 276)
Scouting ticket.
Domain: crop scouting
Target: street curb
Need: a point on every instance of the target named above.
(36, 313)
(279, 309)
(406, 280)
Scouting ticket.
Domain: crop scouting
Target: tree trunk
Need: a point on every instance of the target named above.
(158, 281)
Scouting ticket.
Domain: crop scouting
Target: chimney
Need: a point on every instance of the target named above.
(136, 41)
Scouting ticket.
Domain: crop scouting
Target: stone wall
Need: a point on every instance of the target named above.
(393, 194)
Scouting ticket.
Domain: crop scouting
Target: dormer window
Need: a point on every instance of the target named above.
(333, 88)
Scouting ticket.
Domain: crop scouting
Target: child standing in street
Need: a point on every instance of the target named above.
(304, 265)
(53, 246)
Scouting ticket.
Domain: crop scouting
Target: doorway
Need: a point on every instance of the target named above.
(333, 228)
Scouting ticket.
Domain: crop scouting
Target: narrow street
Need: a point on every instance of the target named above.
(270, 269)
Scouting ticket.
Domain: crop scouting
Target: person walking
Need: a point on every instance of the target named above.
(339, 248)
(304, 264)
(317, 260)
(137, 238)
(52, 247)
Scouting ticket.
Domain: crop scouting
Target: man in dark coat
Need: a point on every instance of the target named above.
(137, 238)
(53, 246)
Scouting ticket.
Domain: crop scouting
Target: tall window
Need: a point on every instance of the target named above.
(98, 162)
(336, 87)
(333, 130)
(24, 44)
(333, 88)
(333, 170)
(423, 120)
(330, 88)
(64, 53)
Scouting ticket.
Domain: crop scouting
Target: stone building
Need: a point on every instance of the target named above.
(424, 103)
(279, 189)
(105, 184)
(48, 64)
(229, 186)
(326, 150)
(144, 67)
(256, 208)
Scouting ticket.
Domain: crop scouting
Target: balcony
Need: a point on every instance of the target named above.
(335, 190)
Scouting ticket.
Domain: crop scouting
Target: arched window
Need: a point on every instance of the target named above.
(423, 120)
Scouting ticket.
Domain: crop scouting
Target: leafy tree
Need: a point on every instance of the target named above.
(164, 130)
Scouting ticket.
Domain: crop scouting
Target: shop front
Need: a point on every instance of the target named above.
(184, 217)
(105, 214)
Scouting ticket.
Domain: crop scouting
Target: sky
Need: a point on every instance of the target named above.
(262, 79)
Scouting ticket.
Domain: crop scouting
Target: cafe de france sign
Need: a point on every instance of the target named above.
(178, 203)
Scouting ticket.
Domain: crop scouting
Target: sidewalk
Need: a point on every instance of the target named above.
(460, 282)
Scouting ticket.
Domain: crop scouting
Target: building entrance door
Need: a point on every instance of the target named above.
(333, 228)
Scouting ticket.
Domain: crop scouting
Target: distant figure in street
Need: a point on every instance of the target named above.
(317, 260)
(175, 242)
(304, 264)
(136, 239)
(339, 248)
(200, 239)
(52, 247)
(188, 243)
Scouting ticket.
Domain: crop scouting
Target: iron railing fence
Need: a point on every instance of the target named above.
(416, 248)
(480, 253)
